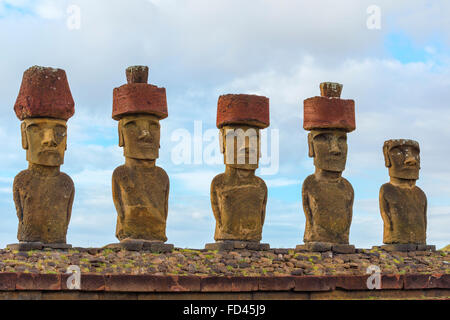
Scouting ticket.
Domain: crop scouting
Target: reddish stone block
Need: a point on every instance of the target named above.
(439, 281)
(8, 281)
(244, 284)
(43, 282)
(352, 282)
(137, 283)
(314, 283)
(427, 281)
(216, 284)
(44, 92)
(139, 98)
(89, 282)
(329, 113)
(184, 284)
(392, 281)
(243, 109)
(276, 284)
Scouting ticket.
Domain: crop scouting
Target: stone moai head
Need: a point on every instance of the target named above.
(138, 107)
(44, 105)
(240, 118)
(329, 118)
(402, 157)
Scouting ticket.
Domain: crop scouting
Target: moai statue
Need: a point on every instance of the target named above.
(327, 196)
(403, 205)
(238, 197)
(43, 195)
(140, 188)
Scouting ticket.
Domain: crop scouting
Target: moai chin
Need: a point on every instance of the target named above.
(140, 188)
(403, 205)
(43, 195)
(327, 196)
(238, 197)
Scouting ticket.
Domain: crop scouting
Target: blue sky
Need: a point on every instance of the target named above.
(399, 77)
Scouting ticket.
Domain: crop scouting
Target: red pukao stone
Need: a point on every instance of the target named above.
(135, 98)
(44, 93)
(329, 113)
(243, 109)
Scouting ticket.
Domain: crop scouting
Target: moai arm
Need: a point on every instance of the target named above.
(263, 213)
(384, 208)
(166, 201)
(306, 206)
(69, 208)
(215, 202)
(425, 214)
(18, 202)
(117, 197)
(350, 212)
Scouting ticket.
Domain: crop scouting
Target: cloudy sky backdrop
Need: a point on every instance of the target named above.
(398, 75)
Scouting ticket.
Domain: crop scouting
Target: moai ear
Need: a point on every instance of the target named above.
(387, 160)
(121, 140)
(259, 144)
(65, 148)
(23, 128)
(310, 146)
(221, 141)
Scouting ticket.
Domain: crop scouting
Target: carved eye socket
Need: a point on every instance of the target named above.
(32, 128)
(130, 124)
(321, 138)
(60, 132)
(342, 139)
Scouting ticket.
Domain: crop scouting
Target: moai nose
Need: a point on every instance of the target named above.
(144, 134)
(334, 148)
(410, 161)
(49, 139)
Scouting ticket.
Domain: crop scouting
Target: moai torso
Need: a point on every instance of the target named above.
(141, 199)
(239, 207)
(404, 213)
(403, 205)
(328, 210)
(42, 194)
(44, 205)
(238, 197)
(140, 188)
(327, 196)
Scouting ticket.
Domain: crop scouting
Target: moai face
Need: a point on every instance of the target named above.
(139, 135)
(45, 140)
(240, 145)
(329, 149)
(402, 157)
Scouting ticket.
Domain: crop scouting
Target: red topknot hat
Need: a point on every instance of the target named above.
(139, 97)
(329, 111)
(243, 109)
(44, 93)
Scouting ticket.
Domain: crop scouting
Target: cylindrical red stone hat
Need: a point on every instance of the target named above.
(44, 93)
(329, 111)
(139, 97)
(243, 109)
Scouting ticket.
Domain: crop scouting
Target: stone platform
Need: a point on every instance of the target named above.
(406, 247)
(234, 244)
(326, 246)
(142, 245)
(28, 246)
